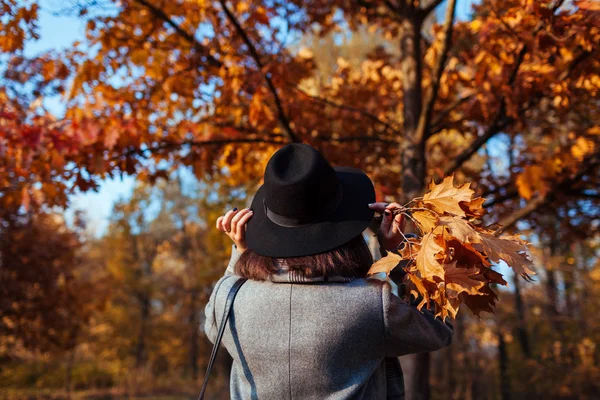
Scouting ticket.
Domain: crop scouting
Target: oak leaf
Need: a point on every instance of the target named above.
(510, 249)
(428, 260)
(385, 264)
(445, 198)
(459, 280)
(483, 302)
(427, 220)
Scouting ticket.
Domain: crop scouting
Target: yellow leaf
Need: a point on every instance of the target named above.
(445, 198)
(531, 181)
(305, 53)
(428, 259)
(582, 148)
(419, 290)
(385, 264)
(475, 25)
(426, 220)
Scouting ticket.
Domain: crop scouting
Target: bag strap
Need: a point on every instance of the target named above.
(228, 306)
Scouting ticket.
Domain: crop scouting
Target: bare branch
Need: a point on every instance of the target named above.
(425, 117)
(576, 62)
(499, 122)
(495, 127)
(355, 139)
(367, 114)
(184, 34)
(520, 213)
(511, 194)
(271, 139)
(373, 6)
(283, 119)
(437, 126)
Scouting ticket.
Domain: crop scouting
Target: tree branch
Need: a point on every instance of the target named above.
(367, 114)
(425, 11)
(496, 126)
(169, 146)
(356, 139)
(427, 111)
(436, 126)
(576, 62)
(492, 130)
(511, 194)
(185, 35)
(283, 119)
(513, 217)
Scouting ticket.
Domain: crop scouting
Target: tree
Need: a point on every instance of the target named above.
(44, 306)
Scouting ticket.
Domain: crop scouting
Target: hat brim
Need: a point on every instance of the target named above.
(351, 217)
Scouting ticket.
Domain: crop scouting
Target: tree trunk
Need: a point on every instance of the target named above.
(584, 283)
(551, 288)
(522, 327)
(412, 152)
(69, 372)
(144, 299)
(569, 278)
(503, 368)
(140, 349)
(415, 366)
(451, 379)
(193, 323)
(416, 376)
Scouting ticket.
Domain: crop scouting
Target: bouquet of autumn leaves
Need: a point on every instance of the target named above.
(450, 262)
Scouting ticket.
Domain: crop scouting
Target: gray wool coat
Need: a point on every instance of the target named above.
(317, 340)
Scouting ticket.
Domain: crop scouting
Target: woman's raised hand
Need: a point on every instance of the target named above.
(390, 231)
(233, 223)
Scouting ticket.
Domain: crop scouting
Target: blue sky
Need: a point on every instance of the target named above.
(58, 32)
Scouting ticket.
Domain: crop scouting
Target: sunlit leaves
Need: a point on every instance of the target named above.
(451, 263)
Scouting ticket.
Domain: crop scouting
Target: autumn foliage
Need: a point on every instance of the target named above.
(504, 96)
(451, 263)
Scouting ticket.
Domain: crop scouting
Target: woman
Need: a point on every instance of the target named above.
(307, 325)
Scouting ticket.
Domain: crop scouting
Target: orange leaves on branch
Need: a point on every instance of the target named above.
(451, 262)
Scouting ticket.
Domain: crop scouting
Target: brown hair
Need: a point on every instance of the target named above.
(350, 260)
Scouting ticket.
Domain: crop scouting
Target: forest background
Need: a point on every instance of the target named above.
(185, 100)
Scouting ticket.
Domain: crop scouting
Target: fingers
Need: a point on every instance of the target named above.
(227, 219)
(378, 207)
(386, 222)
(235, 227)
(241, 225)
(393, 206)
(398, 225)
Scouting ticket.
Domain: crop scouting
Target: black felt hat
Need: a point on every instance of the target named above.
(306, 206)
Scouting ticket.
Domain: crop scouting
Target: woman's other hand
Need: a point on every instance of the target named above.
(390, 231)
(233, 223)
